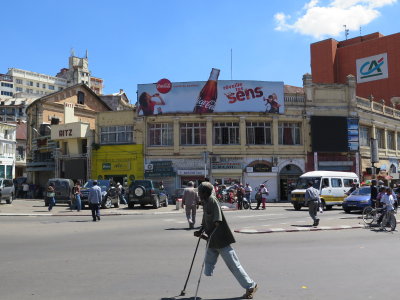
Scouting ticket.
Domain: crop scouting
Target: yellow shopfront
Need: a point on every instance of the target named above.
(121, 163)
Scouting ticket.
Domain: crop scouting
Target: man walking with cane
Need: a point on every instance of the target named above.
(220, 238)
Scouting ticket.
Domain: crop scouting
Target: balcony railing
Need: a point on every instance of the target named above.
(376, 107)
(294, 99)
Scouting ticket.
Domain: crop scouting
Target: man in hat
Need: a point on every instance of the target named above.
(95, 200)
(220, 237)
(312, 199)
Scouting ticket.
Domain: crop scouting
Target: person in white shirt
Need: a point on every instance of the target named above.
(248, 189)
(387, 200)
(264, 193)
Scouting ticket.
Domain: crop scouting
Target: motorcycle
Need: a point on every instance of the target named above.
(246, 203)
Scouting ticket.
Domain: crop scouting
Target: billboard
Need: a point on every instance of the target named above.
(372, 68)
(210, 96)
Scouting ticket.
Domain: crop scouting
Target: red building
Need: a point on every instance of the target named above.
(374, 59)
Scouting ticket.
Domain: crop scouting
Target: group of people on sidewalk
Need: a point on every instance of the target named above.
(94, 197)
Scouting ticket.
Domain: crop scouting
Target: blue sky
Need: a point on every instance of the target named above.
(132, 42)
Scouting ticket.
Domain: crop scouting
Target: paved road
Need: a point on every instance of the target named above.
(147, 256)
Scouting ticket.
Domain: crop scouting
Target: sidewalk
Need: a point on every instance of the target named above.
(35, 207)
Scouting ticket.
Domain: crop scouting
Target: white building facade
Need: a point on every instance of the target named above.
(7, 150)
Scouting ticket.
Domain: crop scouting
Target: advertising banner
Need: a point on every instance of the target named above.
(372, 68)
(210, 96)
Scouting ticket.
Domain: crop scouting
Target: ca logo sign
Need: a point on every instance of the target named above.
(372, 68)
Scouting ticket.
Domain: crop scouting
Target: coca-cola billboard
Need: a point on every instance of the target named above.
(210, 96)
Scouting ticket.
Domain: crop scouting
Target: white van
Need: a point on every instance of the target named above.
(332, 187)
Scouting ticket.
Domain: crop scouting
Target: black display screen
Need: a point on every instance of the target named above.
(329, 134)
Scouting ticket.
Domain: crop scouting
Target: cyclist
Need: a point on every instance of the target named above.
(387, 201)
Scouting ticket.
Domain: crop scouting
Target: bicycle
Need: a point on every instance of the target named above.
(371, 215)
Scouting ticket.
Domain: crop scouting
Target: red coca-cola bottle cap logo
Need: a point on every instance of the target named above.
(164, 86)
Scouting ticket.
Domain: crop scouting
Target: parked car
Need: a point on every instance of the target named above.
(7, 190)
(145, 192)
(357, 200)
(63, 190)
(109, 196)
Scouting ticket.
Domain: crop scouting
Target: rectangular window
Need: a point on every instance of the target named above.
(365, 136)
(5, 84)
(37, 84)
(336, 182)
(193, 133)
(390, 140)
(226, 133)
(347, 182)
(18, 81)
(51, 87)
(44, 85)
(289, 133)
(258, 133)
(380, 137)
(30, 83)
(18, 89)
(81, 98)
(160, 134)
(116, 135)
(398, 141)
(4, 93)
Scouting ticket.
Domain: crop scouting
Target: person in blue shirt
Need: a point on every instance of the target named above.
(95, 200)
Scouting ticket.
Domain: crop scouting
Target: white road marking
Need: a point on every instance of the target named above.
(277, 229)
(302, 228)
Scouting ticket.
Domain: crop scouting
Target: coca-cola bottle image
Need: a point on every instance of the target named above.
(208, 95)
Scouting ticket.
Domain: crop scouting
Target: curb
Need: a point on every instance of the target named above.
(297, 229)
(84, 214)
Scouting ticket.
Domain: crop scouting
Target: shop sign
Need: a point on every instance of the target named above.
(191, 172)
(261, 168)
(159, 174)
(117, 166)
(106, 166)
(161, 167)
(249, 169)
(162, 163)
(352, 134)
(226, 165)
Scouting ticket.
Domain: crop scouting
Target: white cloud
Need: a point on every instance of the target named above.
(322, 20)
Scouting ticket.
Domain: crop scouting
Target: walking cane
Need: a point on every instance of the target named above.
(183, 292)
(204, 261)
